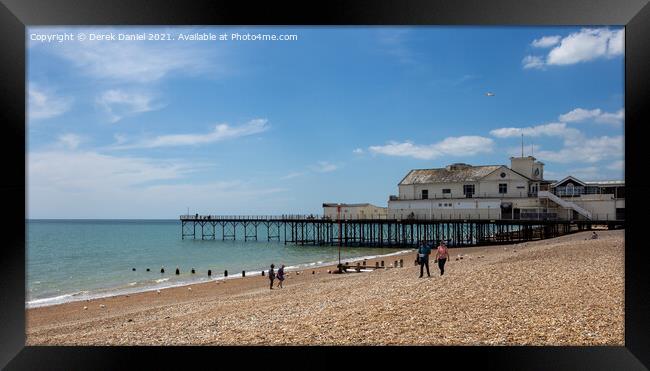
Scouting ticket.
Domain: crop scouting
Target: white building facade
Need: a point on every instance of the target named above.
(353, 211)
(462, 191)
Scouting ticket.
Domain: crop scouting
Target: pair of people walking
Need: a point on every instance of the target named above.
(280, 276)
(441, 257)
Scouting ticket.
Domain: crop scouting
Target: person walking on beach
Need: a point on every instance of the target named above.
(423, 258)
(441, 256)
(280, 275)
(271, 275)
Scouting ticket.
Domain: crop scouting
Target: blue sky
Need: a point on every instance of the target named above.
(147, 129)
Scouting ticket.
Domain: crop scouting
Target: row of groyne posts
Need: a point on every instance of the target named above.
(323, 231)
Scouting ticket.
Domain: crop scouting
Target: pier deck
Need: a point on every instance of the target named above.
(322, 231)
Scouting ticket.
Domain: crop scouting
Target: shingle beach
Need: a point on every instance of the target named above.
(563, 291)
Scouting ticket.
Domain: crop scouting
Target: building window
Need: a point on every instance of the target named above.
(569, 189)
(503, 188)
(425, 194)
(446, 190)
(468, 190)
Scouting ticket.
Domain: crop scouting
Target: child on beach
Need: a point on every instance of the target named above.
(280, 275)
(441, 256)
(271, 275)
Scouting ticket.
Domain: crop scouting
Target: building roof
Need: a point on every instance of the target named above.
(332, 204)
(448, 174)
(607, 182)
(569, 178)
(603, 183)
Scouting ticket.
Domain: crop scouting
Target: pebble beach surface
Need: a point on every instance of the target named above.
(562, 291)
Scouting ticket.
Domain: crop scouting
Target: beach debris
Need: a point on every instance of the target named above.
(130, 320)
(456, 259)
(85, 307)
(158, 291)
(102, 306)
(189, 288)
(297, 273)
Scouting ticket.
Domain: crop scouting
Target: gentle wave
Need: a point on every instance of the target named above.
(163, 283)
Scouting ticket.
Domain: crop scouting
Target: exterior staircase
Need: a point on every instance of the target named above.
(565, 204)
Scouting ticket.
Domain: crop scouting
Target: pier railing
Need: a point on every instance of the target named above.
(550, 215)
(321, 230)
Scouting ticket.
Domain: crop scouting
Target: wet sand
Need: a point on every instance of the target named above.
(562, 291)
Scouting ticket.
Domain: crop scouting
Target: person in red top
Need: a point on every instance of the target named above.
(441, 256)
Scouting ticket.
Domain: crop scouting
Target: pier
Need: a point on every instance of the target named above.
(408, 232)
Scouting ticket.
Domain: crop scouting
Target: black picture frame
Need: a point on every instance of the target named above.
(15, 15)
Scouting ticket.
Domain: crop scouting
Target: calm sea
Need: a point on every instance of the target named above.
(71, 260)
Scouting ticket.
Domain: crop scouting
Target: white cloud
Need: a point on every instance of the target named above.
(135, 61)
(453, 146)
(546, 41)
(576, 147)
(358, 151)
(320, 167)
(587, 45)
(588, 150)
(219, 133)
(532, 61)
(119, 138)
(69, 141)
(86, 184)
(294, 174)
(394, 42)
(617, 165)
(44, 104)
(557, 129)
(87, 170)
(119, 104)
(324, 167)
(597, 115)
(583, 46)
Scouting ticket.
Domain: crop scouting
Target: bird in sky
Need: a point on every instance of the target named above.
(489, 94)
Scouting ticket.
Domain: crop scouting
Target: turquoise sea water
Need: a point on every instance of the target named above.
(78, 259)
